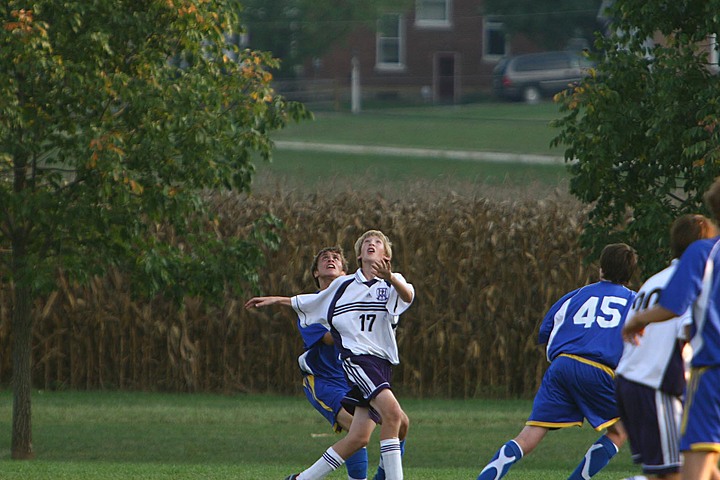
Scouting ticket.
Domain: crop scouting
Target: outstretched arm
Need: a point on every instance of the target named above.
(634, 327)
(257, 302)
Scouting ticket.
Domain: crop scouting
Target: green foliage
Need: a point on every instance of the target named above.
(107, 147)
(642, 129)
(116, 119)
(299, 30)
(551, 23)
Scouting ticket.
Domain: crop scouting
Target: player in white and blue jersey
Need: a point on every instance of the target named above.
(695, 284)
(651, 375)
(324, 382)
(582, 333)
(363, 311)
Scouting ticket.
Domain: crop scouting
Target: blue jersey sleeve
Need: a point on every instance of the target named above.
(312, 334)
(685, 284)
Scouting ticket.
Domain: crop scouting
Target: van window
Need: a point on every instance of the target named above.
(551, 61)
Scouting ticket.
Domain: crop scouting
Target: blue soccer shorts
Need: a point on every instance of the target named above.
(325, 395)
(574, 389)
(701, 419)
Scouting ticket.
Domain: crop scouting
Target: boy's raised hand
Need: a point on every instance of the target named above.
(382, 268)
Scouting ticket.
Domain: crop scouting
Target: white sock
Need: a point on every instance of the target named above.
(391, 458)
(329, 462)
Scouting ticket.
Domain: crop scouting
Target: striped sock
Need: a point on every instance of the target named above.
(391, 458)
(329, 462)
(380, 474)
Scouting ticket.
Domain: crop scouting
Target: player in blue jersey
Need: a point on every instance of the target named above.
(582, 333)
(363, 311)
(695, 284)
(651, 375)
(323, 378)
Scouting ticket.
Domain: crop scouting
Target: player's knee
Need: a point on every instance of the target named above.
(395, 416)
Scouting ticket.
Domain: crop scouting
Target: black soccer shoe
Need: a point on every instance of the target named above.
(292, 477)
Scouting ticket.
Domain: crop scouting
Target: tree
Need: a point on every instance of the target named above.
(299, 30)
(108, 149)
(642, 131)
(550, 23)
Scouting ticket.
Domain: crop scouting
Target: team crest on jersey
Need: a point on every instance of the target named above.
(382, 294)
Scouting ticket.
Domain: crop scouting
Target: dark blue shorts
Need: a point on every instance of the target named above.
(652, 421)
(367, 376)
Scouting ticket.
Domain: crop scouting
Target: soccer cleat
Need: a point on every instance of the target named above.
(292, 477)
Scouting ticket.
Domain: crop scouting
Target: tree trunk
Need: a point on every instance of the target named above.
(21, 445)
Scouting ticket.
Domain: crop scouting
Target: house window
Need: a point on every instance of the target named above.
(494, 46)
(390, 43)
(432, 13)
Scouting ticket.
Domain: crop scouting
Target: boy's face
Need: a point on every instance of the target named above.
(372, 248)
(330, 265)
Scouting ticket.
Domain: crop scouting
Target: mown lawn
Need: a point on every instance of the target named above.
(504, 128)
(497, 127)
(119, 436)
(329, 173)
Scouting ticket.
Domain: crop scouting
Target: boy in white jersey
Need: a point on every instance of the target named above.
(363, 311)
(651, 376)
(695, 283)
(323, 378)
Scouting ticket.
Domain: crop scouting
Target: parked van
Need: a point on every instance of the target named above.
(535, 75)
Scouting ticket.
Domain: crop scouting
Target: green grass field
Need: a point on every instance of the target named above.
(323, 173)
(497, 127)
(121, 436)
(513, 129)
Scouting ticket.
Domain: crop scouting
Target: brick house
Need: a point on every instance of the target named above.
(439, 50)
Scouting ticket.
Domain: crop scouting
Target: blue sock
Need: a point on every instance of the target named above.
(502, 461)
(380, 474)
(357, 464)
(597, 456)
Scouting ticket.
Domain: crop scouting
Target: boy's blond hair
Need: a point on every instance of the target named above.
(373, 233)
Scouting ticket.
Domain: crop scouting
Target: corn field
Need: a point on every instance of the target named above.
(484, 272)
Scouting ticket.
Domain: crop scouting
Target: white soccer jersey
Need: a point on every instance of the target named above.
(362, 314)
(650, 362)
